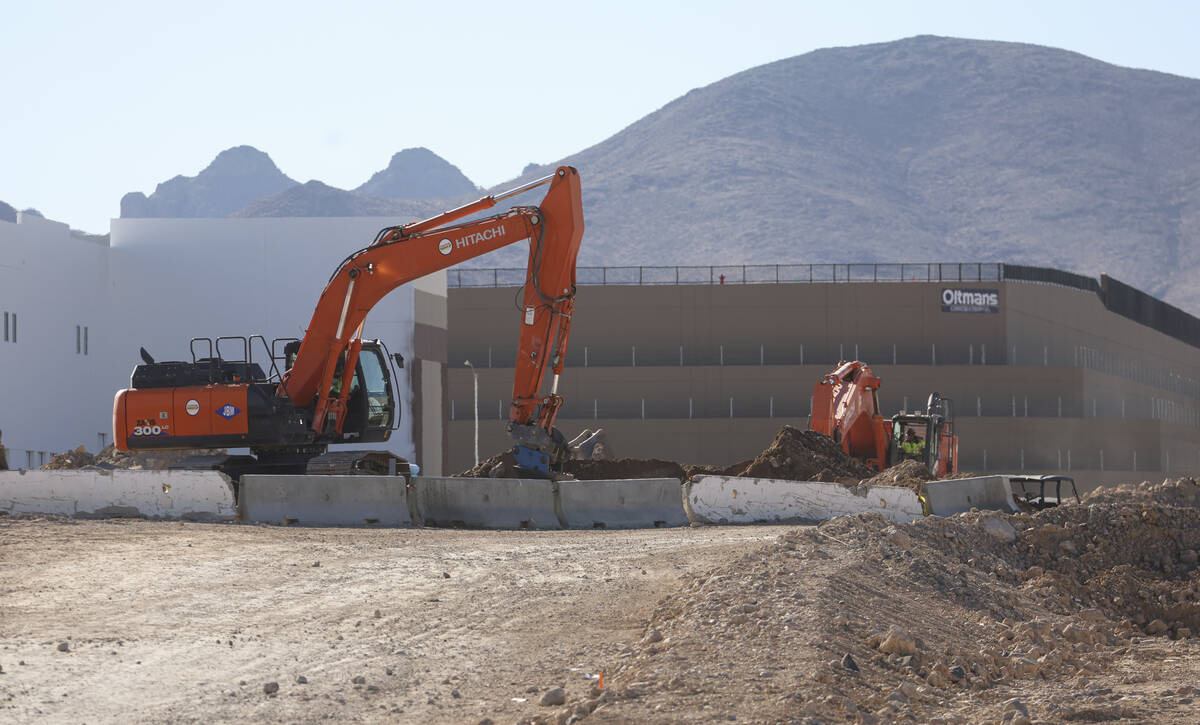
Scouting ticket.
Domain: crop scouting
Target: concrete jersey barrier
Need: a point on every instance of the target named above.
(946, 498)
(97, 493)
(487, 503)
(325, 500)
(730, 500)
(622, 504)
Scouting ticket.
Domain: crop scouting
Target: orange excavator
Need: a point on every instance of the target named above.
(338, 388)
(846, 408)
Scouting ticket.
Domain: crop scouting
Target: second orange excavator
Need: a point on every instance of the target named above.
(846, 408)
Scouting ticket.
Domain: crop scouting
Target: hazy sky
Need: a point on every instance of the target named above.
(102, 98)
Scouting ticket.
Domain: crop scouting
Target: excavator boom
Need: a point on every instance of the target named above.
(846, 408)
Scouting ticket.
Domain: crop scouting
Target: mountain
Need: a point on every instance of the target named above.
(9, 213)
(923, 149)
(235, 178)
(318, 199)
(418, 173)
(244, 182)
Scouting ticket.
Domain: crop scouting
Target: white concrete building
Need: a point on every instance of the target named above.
(78, 310)
(56, 369)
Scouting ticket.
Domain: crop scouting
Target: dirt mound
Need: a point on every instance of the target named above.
(78, 458)
(501, 465)
(804, 455)
(1134, 558)
(1181, 492)
(793, 455)
(944, 618)
(504, 465)
(690, 471)
(623, 468)
(905, 473)
(797, 455)
(110, 457)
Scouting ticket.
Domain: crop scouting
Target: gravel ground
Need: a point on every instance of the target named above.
(171, 622)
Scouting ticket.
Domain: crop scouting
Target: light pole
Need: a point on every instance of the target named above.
(475, 373)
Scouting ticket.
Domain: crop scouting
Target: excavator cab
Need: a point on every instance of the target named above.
(934, 430)
(371, 409)
(909, 434)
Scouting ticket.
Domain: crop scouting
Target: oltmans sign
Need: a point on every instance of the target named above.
(970, 300)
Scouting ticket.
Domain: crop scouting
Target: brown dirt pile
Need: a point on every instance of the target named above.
(623, 468)
(797, 455)
(1173, 493)
(905, 473)
(909, 474)
(110, 457)
(1082, 612)
(78, 458)
(504, 465)
(805, 455)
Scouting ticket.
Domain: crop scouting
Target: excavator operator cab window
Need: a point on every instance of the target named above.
(374, 378)
(290, 350)
(370, 405)
(910, 440)
(335, 385)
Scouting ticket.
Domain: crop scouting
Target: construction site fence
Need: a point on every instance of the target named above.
(1117, 297)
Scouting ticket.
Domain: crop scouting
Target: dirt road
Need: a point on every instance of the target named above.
(190, 622)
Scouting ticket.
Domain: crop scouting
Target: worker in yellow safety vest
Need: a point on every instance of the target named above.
(912, 446)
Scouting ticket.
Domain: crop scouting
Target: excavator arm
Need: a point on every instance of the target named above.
(402, 254)
(846, 408)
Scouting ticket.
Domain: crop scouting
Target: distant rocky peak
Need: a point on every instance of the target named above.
(413, 157)
(418, 173)
(236, 177)
(317, 199)
(242, 161)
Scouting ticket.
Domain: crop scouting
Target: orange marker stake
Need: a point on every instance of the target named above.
(601, 685)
